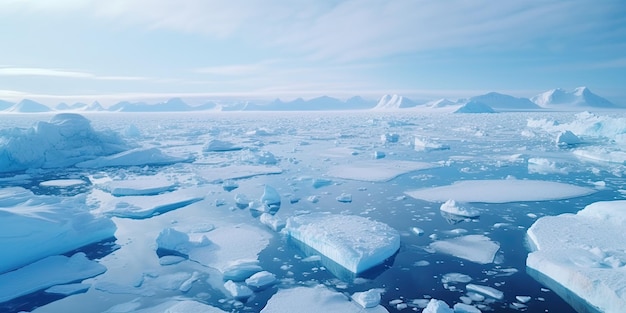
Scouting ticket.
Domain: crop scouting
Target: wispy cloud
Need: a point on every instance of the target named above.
(48, 72)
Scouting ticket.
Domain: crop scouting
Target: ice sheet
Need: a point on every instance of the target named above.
(475, 248)
(50, 271)
(141, 186)
(377, 170)
(584, 252)
(134, 157)
(141, 207)
(236, 172)
(501, 191)
(354, 242)
(314, 300)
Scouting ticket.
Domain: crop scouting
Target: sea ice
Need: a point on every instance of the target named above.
(47, 272)
(37, 226)
(236, 172)
(423, 144)
(465, 308)
(62, 183)
(367, 299)
(65, 140)
(270, 199)
(134, 157)
(437, 306)
(475, 248)
(273, 222)
(238, 290)
(501, 191)
(486, 290)
(584, 253)
(69, 289)
(261, 280)
(181, 306)
(141, 207)
(452, 207)
(377, 170)
(141, 186)
(216, 145)
(354, 242)
(314, 299)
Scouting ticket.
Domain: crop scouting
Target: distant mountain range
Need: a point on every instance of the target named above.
(555, 99)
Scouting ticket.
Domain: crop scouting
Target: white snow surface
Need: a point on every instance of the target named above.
(37, 226)
(65, 140)
(476, 248)
(139, 186)
(354, 242)
(47, 272)
(501, 191)
(313, 300)
(377, 170)
(585, 253)
(134, 157)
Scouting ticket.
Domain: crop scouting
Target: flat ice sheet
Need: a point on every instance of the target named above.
(237, 171)
(53, 270)
(138, 186)
(62, 183)
(585, 253)
(501, 191)
(377, 170)
(314, 299)
(140, 207)
(476, 248)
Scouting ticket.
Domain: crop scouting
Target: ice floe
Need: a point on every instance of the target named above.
(216, 145)
(454, 208)
(140, 186)
(367, 299)
(354, 242)
(179, 306)
(62, 183)
(475, 248)
(134, 157)
(501, 191)
(377, 170)
(236, 172)
(141, 207)
(314, 299)
(37, 226)
(486, 290)
(584, 253)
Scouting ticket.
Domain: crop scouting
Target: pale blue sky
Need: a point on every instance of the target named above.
(85, 50)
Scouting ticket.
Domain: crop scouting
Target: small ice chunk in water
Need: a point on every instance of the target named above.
(216, 145)
(241, 201)
(354, 242)
(261, 280)
(455, 278)
(230, 185)
(367, 299)
(273, 222)
(452, 207)
(271, 199)
(239, 270)
(486, 290)
(345, 198)
(418, 231)
(465, 308)
(238, 291)
(475, 248)
(62, 183)
(389, 137)
(523, 299)
(567, 138)
(379, 154)
(422, 144)
(437, 306)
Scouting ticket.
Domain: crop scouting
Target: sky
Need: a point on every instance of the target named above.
(86, 50)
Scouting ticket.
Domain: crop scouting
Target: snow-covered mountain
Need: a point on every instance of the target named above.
(171, 105)
(500, 101)
(440, 103)
(392, 102)
(5, 105)
(579, 97)
(80, 106)
(475, 107)
(28, 106)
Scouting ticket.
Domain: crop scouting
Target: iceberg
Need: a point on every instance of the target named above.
(437, 306)
(314, 299)
(270, 200)
(476, 248)
(37, 226)
(367, 299)
(452, 207)
(354, 242)
(65, 140)
(583, 255)
(47, 272)
(423, 144)
(501, 191)
(567, 139)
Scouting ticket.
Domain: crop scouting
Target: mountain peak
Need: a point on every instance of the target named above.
(579, 97)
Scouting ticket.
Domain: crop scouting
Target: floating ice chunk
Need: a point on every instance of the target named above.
(389, 137)
(173, 240)
(47, 272)
(423, 144)
(273, 222)
(65, 140)
(141, 186)
(367, 299)
(345, 198)
(354, 242)
(455, 278)
(238, 290)
(437, 306)
(523, 299)
(271, 199)
(544, 166)
(141, 207)
(229, 185)
(377, 171)
(240, 270)
(216, 145)
(62, 183)
(69, 289)
(261, 280)
(379, 154)
(501, 191)
(314, 300)
(259, 157)
(135, 157)
(34, 226)
(475, 248)
(452, 207)
(321, 182)
(181, 306)
(602, 154)
(418, 231)
(486, 290)
(465, 308)
(576, 251)
(171, 259)
(242, 201)
(567, 139)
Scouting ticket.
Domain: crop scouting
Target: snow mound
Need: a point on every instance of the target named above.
(579, 97)
(47, 272)
(134, 157)
(584, 253)
(501, 191)
(313, 300)
(34, 227)
(392, 102)
(65, 140)
(476, 248)
(377, 170)
(353, 242)
(475, 107)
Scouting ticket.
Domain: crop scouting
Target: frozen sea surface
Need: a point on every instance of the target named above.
(185, 224)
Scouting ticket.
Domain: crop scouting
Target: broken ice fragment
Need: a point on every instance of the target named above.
(261, 280)
(345, 198)
(475, 248)
(486, 290)
(367, 299)
(237, 290)
(271, 199)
